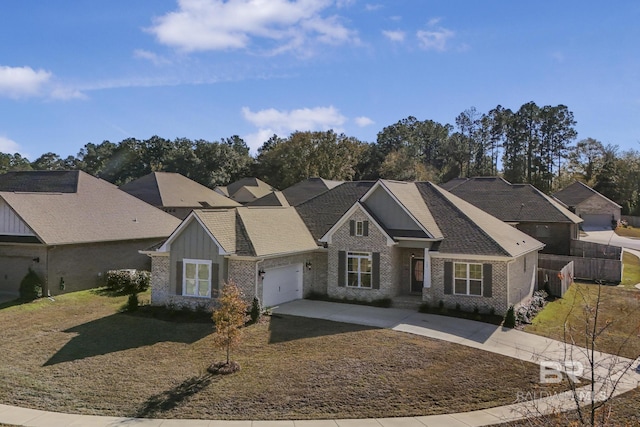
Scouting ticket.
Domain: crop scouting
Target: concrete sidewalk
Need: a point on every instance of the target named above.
(508, 342)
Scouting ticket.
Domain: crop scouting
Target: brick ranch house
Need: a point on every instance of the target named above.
(358, 240)
(71, 228)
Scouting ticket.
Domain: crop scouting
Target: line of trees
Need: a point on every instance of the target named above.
(533, 145)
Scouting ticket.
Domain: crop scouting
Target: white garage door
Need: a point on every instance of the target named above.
(281, 285)
(596, 221)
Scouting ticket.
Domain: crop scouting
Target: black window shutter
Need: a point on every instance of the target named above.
(215, 278)
(342, 268)
(365, 228)
(179, 278)
(375, 270)
(448, 278)
(352, 228)
(487, 280)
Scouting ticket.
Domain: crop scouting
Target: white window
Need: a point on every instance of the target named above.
(467, 279)
(359, 228)
(196, 278)
(359, 269)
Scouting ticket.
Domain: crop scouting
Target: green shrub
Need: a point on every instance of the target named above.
(255, 311)
(510, 318)
(30, 286)
(382, 302)
(425, 307)
(128, 281)
(132, 302)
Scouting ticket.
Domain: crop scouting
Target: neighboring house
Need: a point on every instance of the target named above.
(523, 206)
(246, 190)
(596, 210)
(176, 194)
(358, 240)
(71, 228)
(297, 193)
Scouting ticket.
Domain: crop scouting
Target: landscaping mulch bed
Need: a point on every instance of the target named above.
(77, 354)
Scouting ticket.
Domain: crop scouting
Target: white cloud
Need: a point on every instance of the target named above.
(370, 7)
(22, 82)
(395, 36)
(434, 38)
(154, 58)
(8, 146)
(202, 25)
(271, 121)
(363, 121)
(25, 82)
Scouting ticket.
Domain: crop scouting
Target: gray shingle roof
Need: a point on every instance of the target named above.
(97, 212)
(323, 211)
(308, 189)
(469, 230)
(511, 202)
(577, 193)
(166, 189)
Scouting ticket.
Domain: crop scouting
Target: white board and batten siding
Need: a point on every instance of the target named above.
(11, 224)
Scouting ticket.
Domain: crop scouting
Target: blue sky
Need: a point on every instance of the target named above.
(84, 71)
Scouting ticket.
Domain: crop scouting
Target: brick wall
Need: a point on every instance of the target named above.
(374, 242)
(15, 261)
(597, 205)
(498, 300)
(163, 292)
(84, 266)
(521, 279)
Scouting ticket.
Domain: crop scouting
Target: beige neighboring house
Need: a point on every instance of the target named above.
(71, 228)
(597, 211)
(246, 190)
(408, 242)
(176, 194)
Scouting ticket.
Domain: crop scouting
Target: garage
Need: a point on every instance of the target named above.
(282, 284)
(596, 221)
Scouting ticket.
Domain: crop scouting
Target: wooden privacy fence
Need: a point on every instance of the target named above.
(633, 221)
(607, 270)
(580, 248)
(555, 276)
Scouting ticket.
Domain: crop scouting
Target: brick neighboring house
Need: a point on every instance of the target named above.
(176, 194)
(362, 240)
(596, 210)
(522, 206)
(71, 228)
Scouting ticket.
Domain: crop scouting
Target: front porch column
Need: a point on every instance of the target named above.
(427, 269)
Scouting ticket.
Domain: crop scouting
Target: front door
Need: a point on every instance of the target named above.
(417, 274)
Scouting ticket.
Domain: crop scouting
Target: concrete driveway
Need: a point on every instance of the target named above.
(609, 237)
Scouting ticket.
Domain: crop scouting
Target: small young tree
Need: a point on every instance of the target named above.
(229, 318)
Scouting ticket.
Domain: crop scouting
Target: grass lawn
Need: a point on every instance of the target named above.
(79, 355)
(632, 232)
(630, 271)
(619, 306)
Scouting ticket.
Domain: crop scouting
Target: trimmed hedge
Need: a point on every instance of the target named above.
(128, 281)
